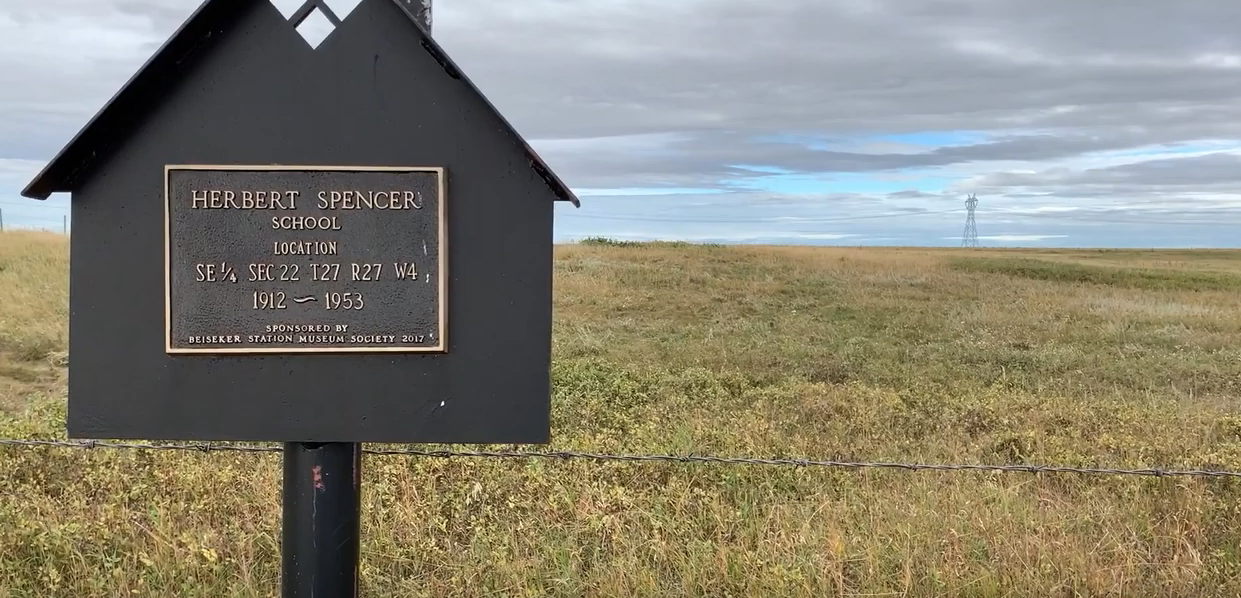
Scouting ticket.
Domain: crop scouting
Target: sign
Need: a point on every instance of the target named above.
(361, 250)
(219, 297)
(302, 259)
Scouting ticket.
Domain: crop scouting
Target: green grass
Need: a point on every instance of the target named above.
(1110, 359)
(1131, 278)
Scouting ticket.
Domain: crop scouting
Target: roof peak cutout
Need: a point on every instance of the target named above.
(317, 19)
(314, 20)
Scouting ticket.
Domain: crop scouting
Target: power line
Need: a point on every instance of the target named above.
(32, 204)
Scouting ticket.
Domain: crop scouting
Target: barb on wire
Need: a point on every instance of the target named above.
(567, 455)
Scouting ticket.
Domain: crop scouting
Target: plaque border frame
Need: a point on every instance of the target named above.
(442, 266)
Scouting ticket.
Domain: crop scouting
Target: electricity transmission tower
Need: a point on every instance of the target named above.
(970, 238)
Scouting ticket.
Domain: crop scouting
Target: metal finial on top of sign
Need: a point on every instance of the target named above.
(424, 14)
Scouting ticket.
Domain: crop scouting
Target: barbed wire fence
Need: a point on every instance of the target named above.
(208, 447)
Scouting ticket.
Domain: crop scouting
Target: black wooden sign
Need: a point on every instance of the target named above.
(335, 241)
(286, 259)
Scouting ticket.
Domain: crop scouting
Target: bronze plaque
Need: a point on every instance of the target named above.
(304, 259)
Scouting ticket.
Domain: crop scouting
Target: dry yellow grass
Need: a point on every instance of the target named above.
(1078, 358)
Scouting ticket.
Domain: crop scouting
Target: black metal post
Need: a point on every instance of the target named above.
(321, 527)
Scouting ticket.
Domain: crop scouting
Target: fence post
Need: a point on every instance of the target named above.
(321, 526)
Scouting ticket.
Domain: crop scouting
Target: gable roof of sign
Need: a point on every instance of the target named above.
(126, 106)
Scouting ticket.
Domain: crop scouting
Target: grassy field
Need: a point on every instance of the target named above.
(1087, 358)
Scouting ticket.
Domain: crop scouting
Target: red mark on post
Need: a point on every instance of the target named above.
(318, 478)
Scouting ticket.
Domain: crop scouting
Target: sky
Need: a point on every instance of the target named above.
(1099, 123)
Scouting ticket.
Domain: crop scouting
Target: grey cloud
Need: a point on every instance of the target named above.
(913, 194)
(810, 65)
(705, 159)
(1154, 181)
(1193, 171)
(645, 93)
(576, 69)
(165, 15)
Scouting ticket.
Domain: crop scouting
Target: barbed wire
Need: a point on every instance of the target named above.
(207, 447)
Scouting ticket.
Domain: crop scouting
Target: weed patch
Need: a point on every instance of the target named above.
(1132, 278)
